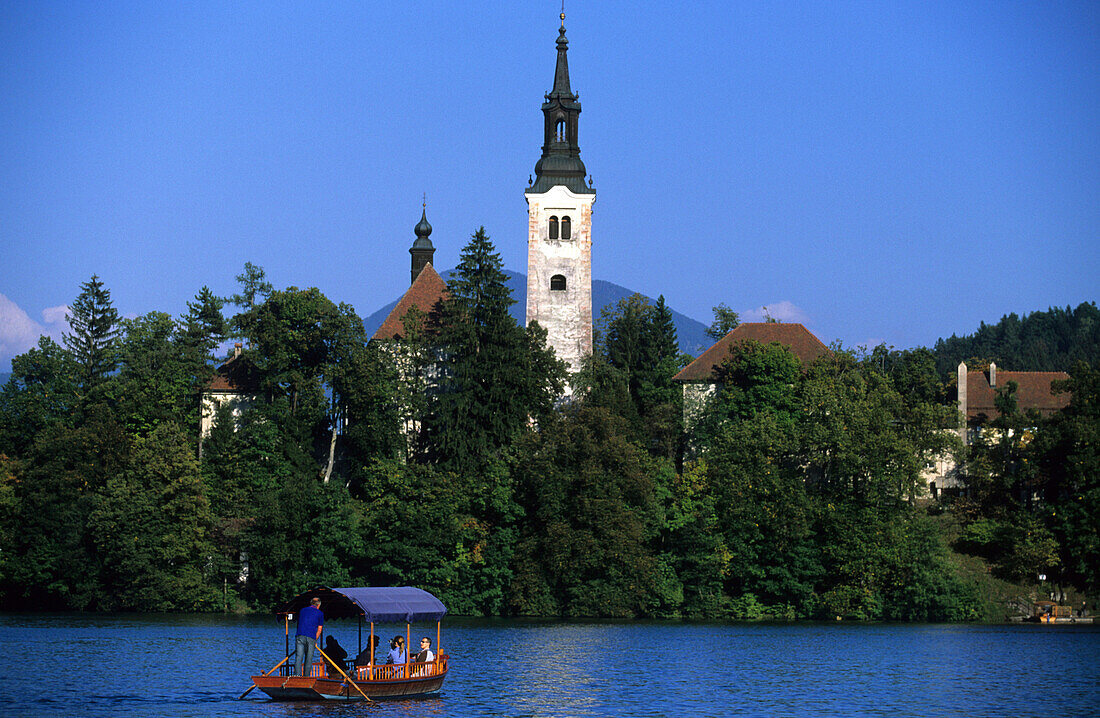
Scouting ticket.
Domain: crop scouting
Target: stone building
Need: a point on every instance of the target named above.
(977, 394)
(235, 385)
(416, 370)
(559, 234)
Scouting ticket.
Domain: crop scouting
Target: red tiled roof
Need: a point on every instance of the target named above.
(428, 289)
(234, 377)
(1033, 392)
(805, 346)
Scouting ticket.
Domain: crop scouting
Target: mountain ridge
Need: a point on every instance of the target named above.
(690, 333)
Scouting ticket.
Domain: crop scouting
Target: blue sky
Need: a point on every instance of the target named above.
(880, 171)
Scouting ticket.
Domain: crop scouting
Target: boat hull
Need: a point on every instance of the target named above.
(309, 688)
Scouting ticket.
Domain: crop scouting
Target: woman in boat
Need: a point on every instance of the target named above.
(397, 654)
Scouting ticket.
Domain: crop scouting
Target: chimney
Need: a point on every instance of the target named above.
(962, 401)
(992, 375)
(237, 350)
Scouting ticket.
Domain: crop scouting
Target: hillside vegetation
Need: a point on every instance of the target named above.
(449, 461)
(1053, 340)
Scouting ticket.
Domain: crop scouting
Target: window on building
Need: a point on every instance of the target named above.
(561, 131)
(557, 283)
(566, 228)
(553, 227)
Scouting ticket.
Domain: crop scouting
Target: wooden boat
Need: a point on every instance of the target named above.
(347, 682)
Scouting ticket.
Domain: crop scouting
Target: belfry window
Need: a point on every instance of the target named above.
(566, 228)
(561, 131)
(553, 227)
(557, 283)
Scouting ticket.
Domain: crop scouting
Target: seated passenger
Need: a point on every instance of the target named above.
(397, 655)
(336, 656)
(366, 656)
(425, 656)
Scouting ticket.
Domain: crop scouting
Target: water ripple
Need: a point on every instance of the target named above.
(181, 666)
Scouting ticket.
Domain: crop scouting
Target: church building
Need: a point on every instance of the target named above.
(559, 225)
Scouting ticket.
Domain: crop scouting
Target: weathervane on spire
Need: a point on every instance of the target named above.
(424, 204)
(562, 14)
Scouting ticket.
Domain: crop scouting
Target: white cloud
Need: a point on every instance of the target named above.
(18, 332)
(56, 315)
(784, 311)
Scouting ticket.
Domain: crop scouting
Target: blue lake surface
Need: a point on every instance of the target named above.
(154, 665)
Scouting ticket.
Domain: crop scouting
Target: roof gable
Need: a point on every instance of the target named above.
(428, 289)
(1033, 392)
(798, 338)
(235, 376)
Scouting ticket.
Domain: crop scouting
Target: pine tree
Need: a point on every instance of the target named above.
(253, 285)
(495, 375)
(640, 341)
(202, 328)
(94, 324)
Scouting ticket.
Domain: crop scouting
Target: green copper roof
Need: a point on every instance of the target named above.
(560, 163)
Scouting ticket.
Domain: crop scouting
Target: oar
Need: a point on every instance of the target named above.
(268, 673)
(335, 665)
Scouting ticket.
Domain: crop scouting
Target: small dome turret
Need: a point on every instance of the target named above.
(422, 250)
(423, 231)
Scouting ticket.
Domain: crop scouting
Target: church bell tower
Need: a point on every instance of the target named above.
(559, 225)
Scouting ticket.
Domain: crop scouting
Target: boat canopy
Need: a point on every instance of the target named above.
(377, 604)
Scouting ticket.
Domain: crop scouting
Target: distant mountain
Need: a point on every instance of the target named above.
(690, 333)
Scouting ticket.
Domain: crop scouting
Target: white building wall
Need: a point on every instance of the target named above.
(566, 315)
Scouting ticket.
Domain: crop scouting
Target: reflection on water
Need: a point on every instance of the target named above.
(197, 666)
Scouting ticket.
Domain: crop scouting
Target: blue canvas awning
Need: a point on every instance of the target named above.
(377, 604)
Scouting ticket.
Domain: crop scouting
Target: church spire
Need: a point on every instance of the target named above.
(560, 163)
(422, 250)
(561, 70)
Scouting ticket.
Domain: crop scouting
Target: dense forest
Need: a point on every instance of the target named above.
(798, 495)
(1053, 340)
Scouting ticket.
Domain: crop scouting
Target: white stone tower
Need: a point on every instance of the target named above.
(559, 226)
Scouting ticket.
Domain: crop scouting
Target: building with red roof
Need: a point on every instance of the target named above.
(234, 383)
(698, 377)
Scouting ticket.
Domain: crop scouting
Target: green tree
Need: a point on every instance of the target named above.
(42, 391)
(725, 321)
(56, 490)
(694, 547)
(593, 515)
(752, 379)
(93, 321)
(154, 383)
(451, 533)
(151, 526)
(494, 376)
(639, 339)
(765, 515)
(1068, 450)
(254, 288)
(305, 533)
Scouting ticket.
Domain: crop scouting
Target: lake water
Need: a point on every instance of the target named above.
(141, 665)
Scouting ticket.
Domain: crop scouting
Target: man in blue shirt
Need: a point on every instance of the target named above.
(310, 624)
